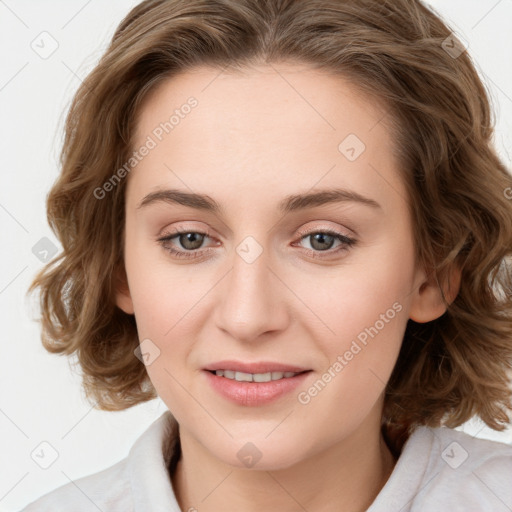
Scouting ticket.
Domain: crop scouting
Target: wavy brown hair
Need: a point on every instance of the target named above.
(449, 369)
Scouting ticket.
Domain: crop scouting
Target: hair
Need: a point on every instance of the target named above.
(449, 369)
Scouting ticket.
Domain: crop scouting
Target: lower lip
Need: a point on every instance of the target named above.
(254, 393)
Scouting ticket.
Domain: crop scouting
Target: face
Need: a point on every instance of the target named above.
(252, 278)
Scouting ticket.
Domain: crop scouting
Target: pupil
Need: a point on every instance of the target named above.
(193, 238)
(321, 237)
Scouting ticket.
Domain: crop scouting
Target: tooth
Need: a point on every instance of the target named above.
(254, 377)
(262, 377)
(241, 376)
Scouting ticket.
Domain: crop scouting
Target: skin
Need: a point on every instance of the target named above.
(255, 137)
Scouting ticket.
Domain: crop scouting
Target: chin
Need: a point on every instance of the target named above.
(260, 455)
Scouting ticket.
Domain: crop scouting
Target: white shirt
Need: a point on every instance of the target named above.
(439, 469)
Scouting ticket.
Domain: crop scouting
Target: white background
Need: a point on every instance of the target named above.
(40, 394)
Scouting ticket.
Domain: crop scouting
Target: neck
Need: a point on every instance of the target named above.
(347, 476)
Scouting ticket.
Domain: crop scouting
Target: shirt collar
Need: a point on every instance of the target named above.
(148, 466)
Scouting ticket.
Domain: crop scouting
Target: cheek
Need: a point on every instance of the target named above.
(161, 291)
(365, 292)
(156, 294)
(169, 304)
(363, 308)
(165, 314)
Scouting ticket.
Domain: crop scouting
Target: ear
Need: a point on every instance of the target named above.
(122, 291)
(427, 300)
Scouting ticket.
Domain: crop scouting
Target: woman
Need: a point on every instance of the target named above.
(287, 220)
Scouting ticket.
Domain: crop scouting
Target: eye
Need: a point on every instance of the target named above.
(323, 241)
(191, 241)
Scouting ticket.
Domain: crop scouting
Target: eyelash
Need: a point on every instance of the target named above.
(346, 243)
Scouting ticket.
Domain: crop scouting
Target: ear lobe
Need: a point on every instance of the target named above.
(427, 303)
(122, 291)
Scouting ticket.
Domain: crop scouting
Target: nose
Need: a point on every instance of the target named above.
(251, 300)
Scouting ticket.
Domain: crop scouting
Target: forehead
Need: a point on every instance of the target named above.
(271, 128)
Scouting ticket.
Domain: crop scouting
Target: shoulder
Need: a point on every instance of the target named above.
(446, 469)
(141, 481)
(107, 490)
(463, 454)
(465, 472)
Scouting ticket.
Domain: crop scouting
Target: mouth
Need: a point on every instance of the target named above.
(255, 377)
(259, 368)
(254, 384)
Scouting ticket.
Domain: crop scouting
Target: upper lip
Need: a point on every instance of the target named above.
(257, 367)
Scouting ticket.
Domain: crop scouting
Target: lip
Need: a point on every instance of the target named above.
(254, 394)
(257, 367)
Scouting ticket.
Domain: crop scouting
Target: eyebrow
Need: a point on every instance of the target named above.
(288, 204)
